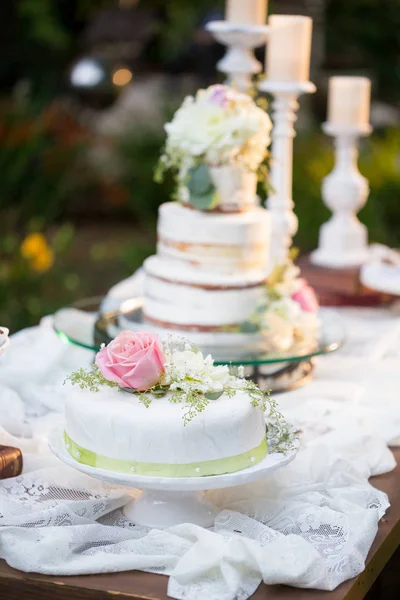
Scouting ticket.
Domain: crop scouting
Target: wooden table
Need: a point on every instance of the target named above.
(135, 585)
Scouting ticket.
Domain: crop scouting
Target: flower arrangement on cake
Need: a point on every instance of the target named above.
(286, 315)
(178, 414)
(140, 364)
(217, 148)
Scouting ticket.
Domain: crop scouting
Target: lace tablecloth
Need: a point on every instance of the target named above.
(308, 525)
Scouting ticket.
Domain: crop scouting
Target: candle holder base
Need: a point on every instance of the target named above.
(342, 244)
(343, 240)
(345, 260)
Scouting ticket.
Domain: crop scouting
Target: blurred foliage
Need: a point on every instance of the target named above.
(32, 283)
(138, 155)
(40, 273)
(42, 160)
(367, 33)
(361, 34)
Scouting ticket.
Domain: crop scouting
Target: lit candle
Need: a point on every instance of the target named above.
(289, 48)
(246, 12)
(349, 101)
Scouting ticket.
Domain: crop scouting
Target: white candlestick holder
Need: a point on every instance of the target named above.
(239, 62)
(343, 240)
(280, 203)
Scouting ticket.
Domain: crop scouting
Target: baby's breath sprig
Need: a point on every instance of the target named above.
(89, 379)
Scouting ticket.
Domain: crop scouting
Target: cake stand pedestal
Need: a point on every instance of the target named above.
(166, 502)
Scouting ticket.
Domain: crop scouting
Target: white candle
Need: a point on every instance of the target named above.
(349, 101)
(246, 12)
(289, 48)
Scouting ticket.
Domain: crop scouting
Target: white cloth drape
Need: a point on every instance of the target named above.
(308, 525)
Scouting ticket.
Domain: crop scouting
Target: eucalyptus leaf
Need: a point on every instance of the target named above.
(213, 395)
(199, 181)
(159, 392)
(204, 202)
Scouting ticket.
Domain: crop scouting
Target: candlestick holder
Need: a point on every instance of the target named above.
(280, 203)
(239, 62)
(343, 240)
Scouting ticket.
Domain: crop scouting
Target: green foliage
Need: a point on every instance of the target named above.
(90, 379)
(180, 23)
(138, 153)
(35, 285)
(44, 24)
(365, 34)
(199, 180)
(203, 194)
(41, 161)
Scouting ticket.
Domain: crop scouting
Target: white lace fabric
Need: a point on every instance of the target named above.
(307, 525)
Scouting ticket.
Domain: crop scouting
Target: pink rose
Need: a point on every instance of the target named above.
(133, 360)
(305, 296)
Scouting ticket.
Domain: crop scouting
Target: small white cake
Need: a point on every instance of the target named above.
(228, 436)
(163, 409)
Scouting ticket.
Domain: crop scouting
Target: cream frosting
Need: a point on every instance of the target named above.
(182, 224)
(186, 305)
(163, 268)
(210, 268)
(115, 424)
(221, 242)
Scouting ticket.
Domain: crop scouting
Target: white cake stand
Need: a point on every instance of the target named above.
(166, 502)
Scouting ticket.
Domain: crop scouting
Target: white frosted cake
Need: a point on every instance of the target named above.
(164, 411)
(229, 435)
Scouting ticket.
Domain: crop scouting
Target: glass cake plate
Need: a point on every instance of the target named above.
(84, 324)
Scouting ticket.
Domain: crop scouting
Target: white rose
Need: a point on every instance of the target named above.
(187, 363)
(219, 131)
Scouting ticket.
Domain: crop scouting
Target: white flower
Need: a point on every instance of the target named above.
(279, 331)
(188, 368)
(187, 363)
(219, 125)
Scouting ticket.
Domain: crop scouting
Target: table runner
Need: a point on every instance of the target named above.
(308, 525)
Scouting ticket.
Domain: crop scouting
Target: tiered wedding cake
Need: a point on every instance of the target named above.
(213, 242)
(212, 275)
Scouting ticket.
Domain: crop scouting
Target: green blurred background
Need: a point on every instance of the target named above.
(85, 88)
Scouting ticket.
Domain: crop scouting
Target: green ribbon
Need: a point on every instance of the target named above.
(219, 466)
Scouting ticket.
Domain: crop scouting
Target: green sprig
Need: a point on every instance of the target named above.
(90, 379)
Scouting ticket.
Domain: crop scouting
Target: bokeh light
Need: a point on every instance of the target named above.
(121, 77)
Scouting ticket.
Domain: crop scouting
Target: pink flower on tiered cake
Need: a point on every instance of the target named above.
(133, 360)
(305, 296)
